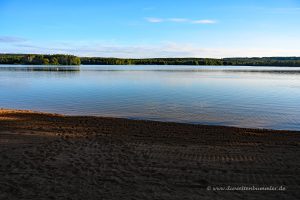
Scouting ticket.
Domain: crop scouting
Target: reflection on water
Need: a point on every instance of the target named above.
(260, 97)
(40, 68)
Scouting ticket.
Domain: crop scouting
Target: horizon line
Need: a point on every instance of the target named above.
(150, 57)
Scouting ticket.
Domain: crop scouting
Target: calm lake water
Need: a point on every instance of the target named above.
(258, 97)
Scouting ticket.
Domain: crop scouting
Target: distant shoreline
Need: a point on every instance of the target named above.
(60, 59)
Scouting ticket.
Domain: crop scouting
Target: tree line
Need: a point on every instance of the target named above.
(38, 59)
(264, 61)
(58, 59)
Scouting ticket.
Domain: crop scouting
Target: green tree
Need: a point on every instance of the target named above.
(54, 61)
(46, 61)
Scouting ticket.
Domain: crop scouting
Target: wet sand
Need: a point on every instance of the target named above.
(49, 156)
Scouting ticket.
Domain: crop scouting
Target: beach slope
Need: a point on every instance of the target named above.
(50, 156)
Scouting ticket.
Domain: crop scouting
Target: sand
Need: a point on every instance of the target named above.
(49, 156)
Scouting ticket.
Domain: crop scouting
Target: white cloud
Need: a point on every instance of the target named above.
(154, 20)
(11, 39)
(204, 21)
(180, 20)
(164, 49)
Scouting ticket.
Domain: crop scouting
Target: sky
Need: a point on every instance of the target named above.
(152, 28)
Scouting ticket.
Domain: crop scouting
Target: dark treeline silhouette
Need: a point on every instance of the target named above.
(267, 61)
(36, 59)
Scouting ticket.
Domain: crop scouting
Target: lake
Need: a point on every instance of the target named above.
(256, 97)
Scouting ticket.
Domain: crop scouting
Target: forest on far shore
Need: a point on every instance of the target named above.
(60, 59)
(38, 59)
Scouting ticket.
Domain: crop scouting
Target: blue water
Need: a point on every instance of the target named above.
(258, 97)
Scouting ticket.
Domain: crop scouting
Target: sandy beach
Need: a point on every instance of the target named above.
(50, 156)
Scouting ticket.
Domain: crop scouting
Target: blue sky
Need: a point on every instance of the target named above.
(140, 28)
